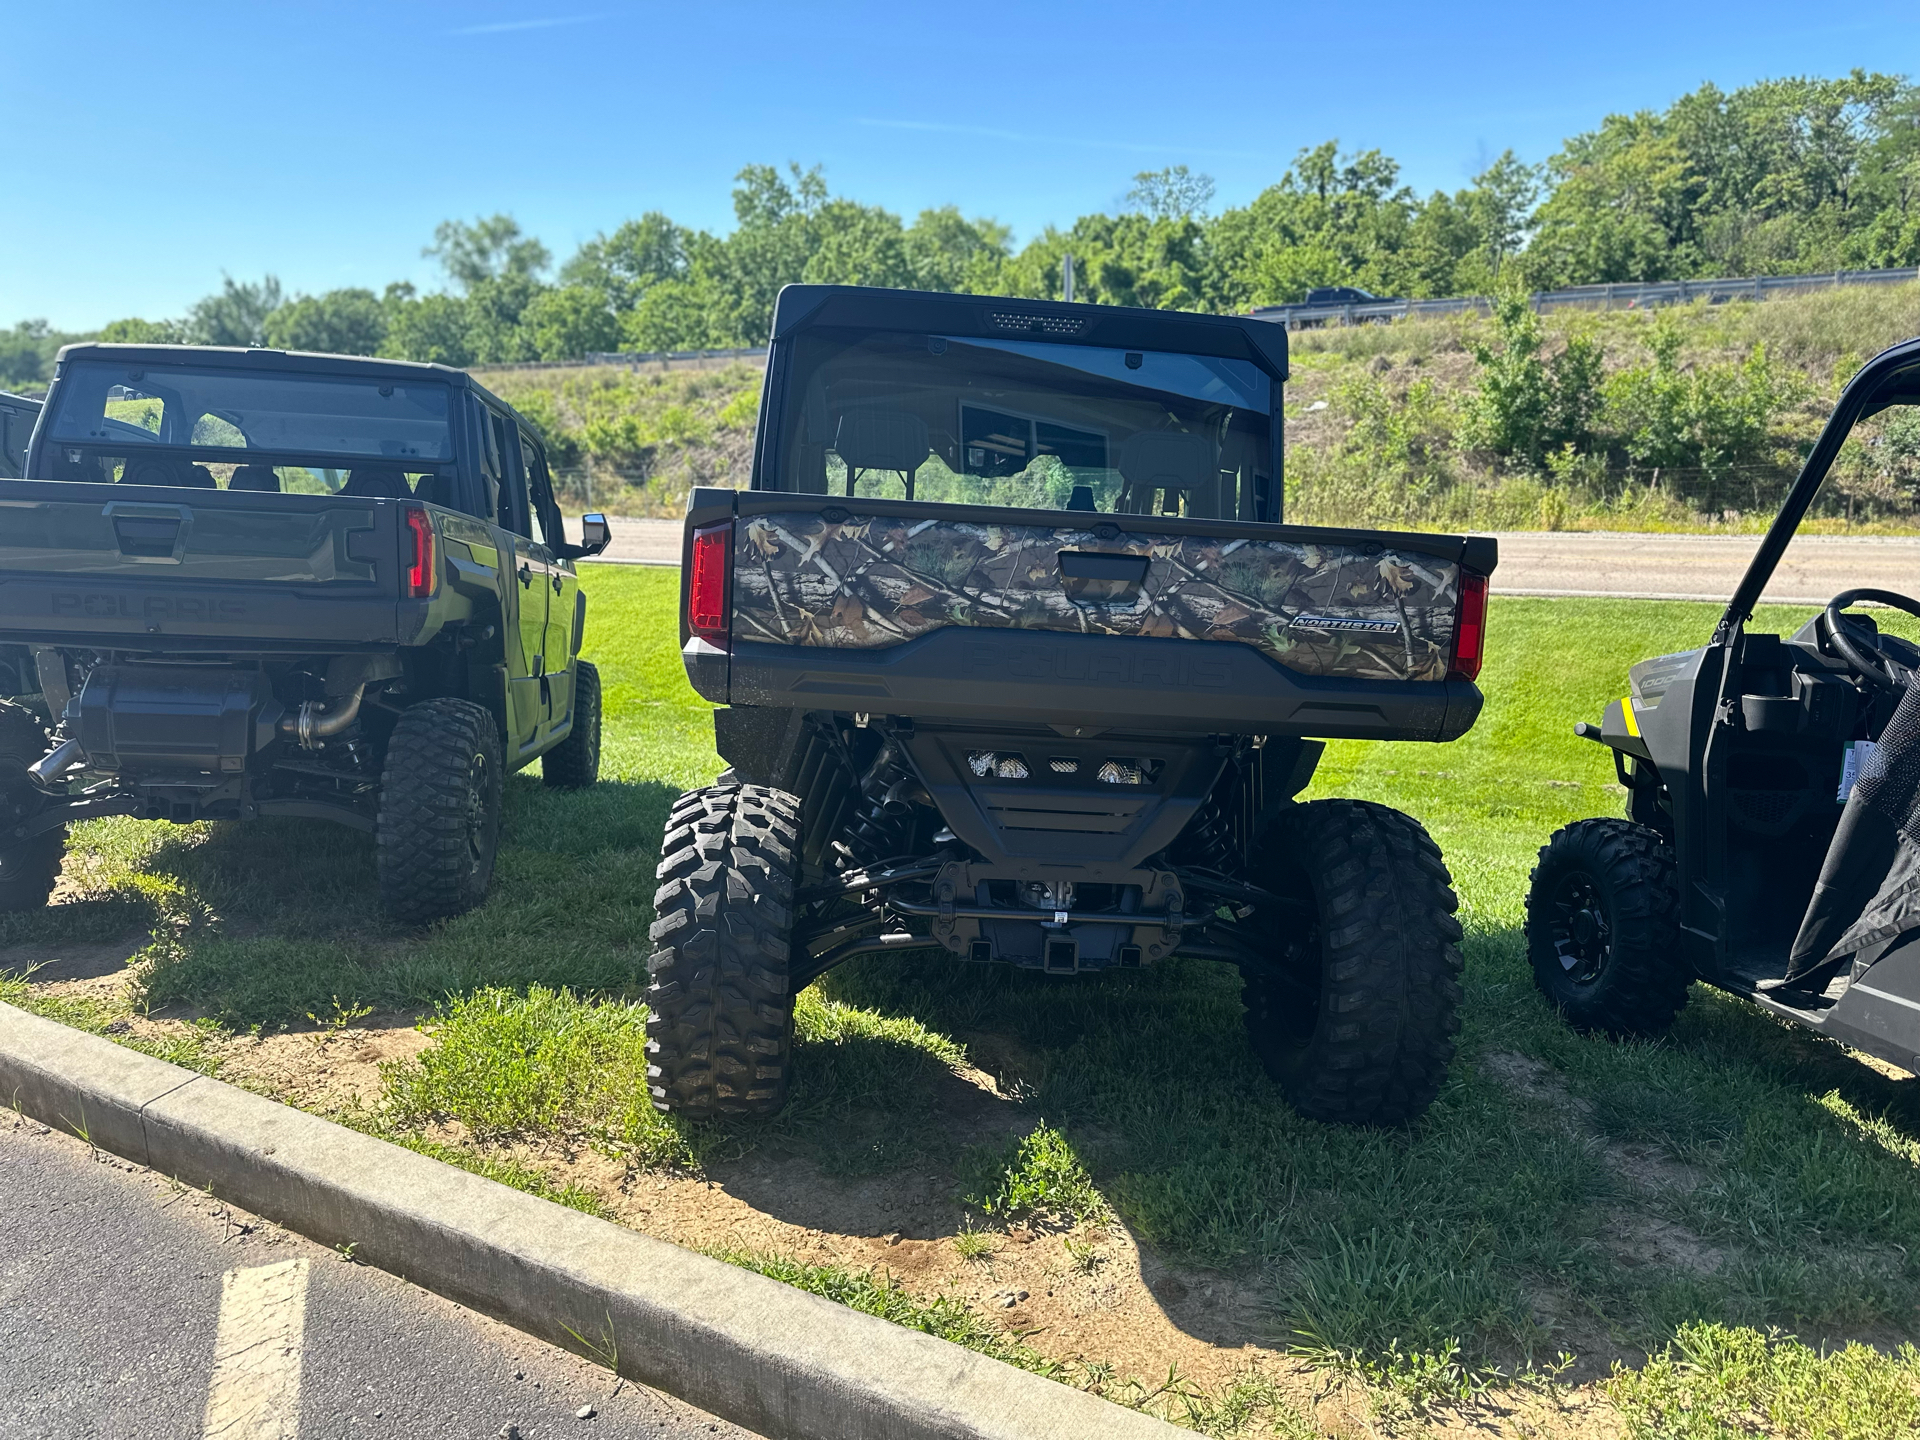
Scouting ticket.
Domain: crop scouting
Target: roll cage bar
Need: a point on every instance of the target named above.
(1892, 377)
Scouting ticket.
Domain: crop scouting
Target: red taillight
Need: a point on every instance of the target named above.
(707, 587)
(423, 574)
(1469, 627)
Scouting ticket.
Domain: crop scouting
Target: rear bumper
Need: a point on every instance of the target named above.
(1124, 682)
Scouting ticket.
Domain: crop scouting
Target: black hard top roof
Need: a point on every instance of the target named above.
(1114, 327)
(255, 358)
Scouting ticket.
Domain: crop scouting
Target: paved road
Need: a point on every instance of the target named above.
(1676, 567)
(1700, 567)
(131, 1308)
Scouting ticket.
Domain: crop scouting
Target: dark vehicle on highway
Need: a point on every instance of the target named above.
(242, 583)
(1022, 667)
(1341, 295)
(1773, 785)
(17, 416)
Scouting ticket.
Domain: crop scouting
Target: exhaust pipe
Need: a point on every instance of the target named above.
(57, 762)
(314, 721)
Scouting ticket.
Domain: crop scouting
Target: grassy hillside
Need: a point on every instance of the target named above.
(1391, 425)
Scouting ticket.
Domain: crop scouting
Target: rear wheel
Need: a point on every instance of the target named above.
(29, 868)
(720, 1022)
(574, 763)
(439, 826)
(1603, 928)
(1356, 1018)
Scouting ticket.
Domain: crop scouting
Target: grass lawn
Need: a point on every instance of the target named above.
(1564, 1194)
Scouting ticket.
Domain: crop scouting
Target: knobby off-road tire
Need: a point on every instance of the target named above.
(574, 763)
(439, 826)
(1603, 929)
(720, 1022)
(1360, 1029)
(29, 868)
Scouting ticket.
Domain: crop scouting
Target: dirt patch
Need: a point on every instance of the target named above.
(324, 1070)
(75, 961)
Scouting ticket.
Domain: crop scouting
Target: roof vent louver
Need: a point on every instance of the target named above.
(1036, 324)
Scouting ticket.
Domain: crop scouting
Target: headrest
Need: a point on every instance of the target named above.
(870, 438)
(378, 484)
(1168, 459)
(440, 488)
(156, 470)
(254, 477)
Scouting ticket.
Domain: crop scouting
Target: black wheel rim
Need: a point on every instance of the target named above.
(1582, 936)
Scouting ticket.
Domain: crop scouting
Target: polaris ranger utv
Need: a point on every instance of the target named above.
(1021, 666)
(1773, 786)
(242, 583)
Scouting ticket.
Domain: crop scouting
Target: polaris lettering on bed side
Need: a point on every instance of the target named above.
(94, 606)
(875, 581)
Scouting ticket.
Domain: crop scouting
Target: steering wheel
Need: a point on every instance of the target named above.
(1856, 647)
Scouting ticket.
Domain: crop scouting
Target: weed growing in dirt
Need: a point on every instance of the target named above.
(1038, 1176)
(1715, 1381)
(974, 1244)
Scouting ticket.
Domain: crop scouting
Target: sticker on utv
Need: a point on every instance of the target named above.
(873, 581)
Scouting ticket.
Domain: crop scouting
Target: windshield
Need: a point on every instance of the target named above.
(1025, 423)
(206, 427)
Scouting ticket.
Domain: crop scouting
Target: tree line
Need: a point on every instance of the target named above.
(1783, 176)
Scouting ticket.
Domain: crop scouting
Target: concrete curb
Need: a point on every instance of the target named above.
(751, 1350)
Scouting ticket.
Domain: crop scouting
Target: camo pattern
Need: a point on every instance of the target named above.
(873, 581)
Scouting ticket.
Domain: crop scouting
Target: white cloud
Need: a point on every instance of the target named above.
(502, 27)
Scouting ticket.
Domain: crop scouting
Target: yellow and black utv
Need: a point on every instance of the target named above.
(1774, 788)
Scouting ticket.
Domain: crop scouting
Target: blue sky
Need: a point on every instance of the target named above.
(152, 151)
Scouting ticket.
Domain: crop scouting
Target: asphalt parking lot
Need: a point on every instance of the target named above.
(133, 1307)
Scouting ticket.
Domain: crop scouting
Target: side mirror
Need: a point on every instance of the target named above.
(595, 534)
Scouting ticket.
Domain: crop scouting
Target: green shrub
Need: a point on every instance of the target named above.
(1707, 417)
(1524, 406)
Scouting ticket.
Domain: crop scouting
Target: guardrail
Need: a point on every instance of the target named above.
(636, 359)
(1585, 297)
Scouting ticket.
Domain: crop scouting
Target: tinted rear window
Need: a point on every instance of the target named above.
(221, 411)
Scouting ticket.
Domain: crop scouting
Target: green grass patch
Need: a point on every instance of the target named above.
(1714, 1381)
(509, 1066)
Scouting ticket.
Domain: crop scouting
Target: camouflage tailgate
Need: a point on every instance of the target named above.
(873, 581)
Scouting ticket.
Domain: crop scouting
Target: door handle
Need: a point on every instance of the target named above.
(1093, 578)
(556, 583)
(526, 573)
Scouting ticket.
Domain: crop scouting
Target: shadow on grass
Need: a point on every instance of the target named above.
(267, 923)
(1737, 1171)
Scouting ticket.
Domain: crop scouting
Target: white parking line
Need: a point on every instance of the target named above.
(255, 1392)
